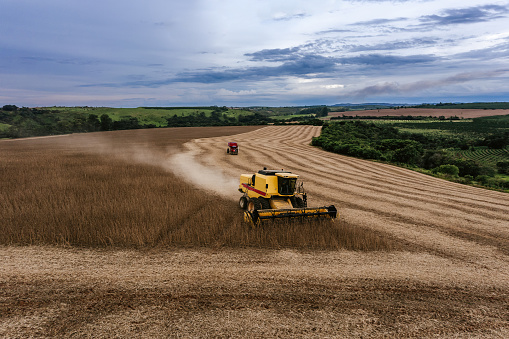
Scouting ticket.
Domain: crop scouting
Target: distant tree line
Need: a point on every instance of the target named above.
(27, 122)
(472, 105)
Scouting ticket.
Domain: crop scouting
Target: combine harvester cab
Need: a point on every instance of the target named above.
(233, 148)
(274, 194)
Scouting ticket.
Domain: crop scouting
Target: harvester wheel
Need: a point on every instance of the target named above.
(227, 150)
(254, 204)
(243, 203)
(265, 204)
(299, 202)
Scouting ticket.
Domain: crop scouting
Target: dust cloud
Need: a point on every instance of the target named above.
(183, 163)
(186, 166)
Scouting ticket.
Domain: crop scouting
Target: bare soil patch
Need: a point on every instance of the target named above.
(426, 112)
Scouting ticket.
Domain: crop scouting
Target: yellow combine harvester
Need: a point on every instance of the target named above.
(273, 194)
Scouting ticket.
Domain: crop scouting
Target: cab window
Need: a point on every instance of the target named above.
(286, 186)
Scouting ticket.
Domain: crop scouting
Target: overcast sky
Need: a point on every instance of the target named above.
(242, 53)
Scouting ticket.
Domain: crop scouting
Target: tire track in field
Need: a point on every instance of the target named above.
(395, 192)
(357, 175)
(445, 217)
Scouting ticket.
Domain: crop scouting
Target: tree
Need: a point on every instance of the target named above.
(10, 108)
(323, 112)
(410, 154)
(106, 122)
(93, 122)
(448, 169)
(503, 167)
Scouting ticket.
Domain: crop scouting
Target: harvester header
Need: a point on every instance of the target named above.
(275, 194)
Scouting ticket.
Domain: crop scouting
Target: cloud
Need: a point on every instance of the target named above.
(276, 54)
(391, 88)
(395, 45)
(334, 31)
(381, 59)
(226, 92)
(298, 66)
(302, 65)
(378, 22)
(466, 15)
(293, 64)
(490, 53)
(288, 17)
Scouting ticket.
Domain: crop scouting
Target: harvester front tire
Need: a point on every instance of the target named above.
(243, 203)
(265, 204)
(299, 202)
(253, 204)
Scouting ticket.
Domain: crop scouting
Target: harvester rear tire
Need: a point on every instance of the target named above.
(243, 203)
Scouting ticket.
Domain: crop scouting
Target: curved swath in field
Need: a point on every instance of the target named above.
(445, 217)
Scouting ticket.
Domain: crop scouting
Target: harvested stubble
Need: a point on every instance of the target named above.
(86, 191)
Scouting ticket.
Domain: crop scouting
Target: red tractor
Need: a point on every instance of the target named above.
(233, 148)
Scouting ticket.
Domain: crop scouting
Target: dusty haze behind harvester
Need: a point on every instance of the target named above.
(274, 194)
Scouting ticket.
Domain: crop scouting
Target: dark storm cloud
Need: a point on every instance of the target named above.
(466, 15)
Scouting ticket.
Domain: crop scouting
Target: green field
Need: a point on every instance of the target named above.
(146, 116)
(485, 155)
(288, 117)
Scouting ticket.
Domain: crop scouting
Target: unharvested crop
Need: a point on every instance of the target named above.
(136, 189)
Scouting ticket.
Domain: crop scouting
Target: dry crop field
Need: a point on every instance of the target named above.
(104, 236)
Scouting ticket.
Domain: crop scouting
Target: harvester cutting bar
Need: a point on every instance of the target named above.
(257, 216)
